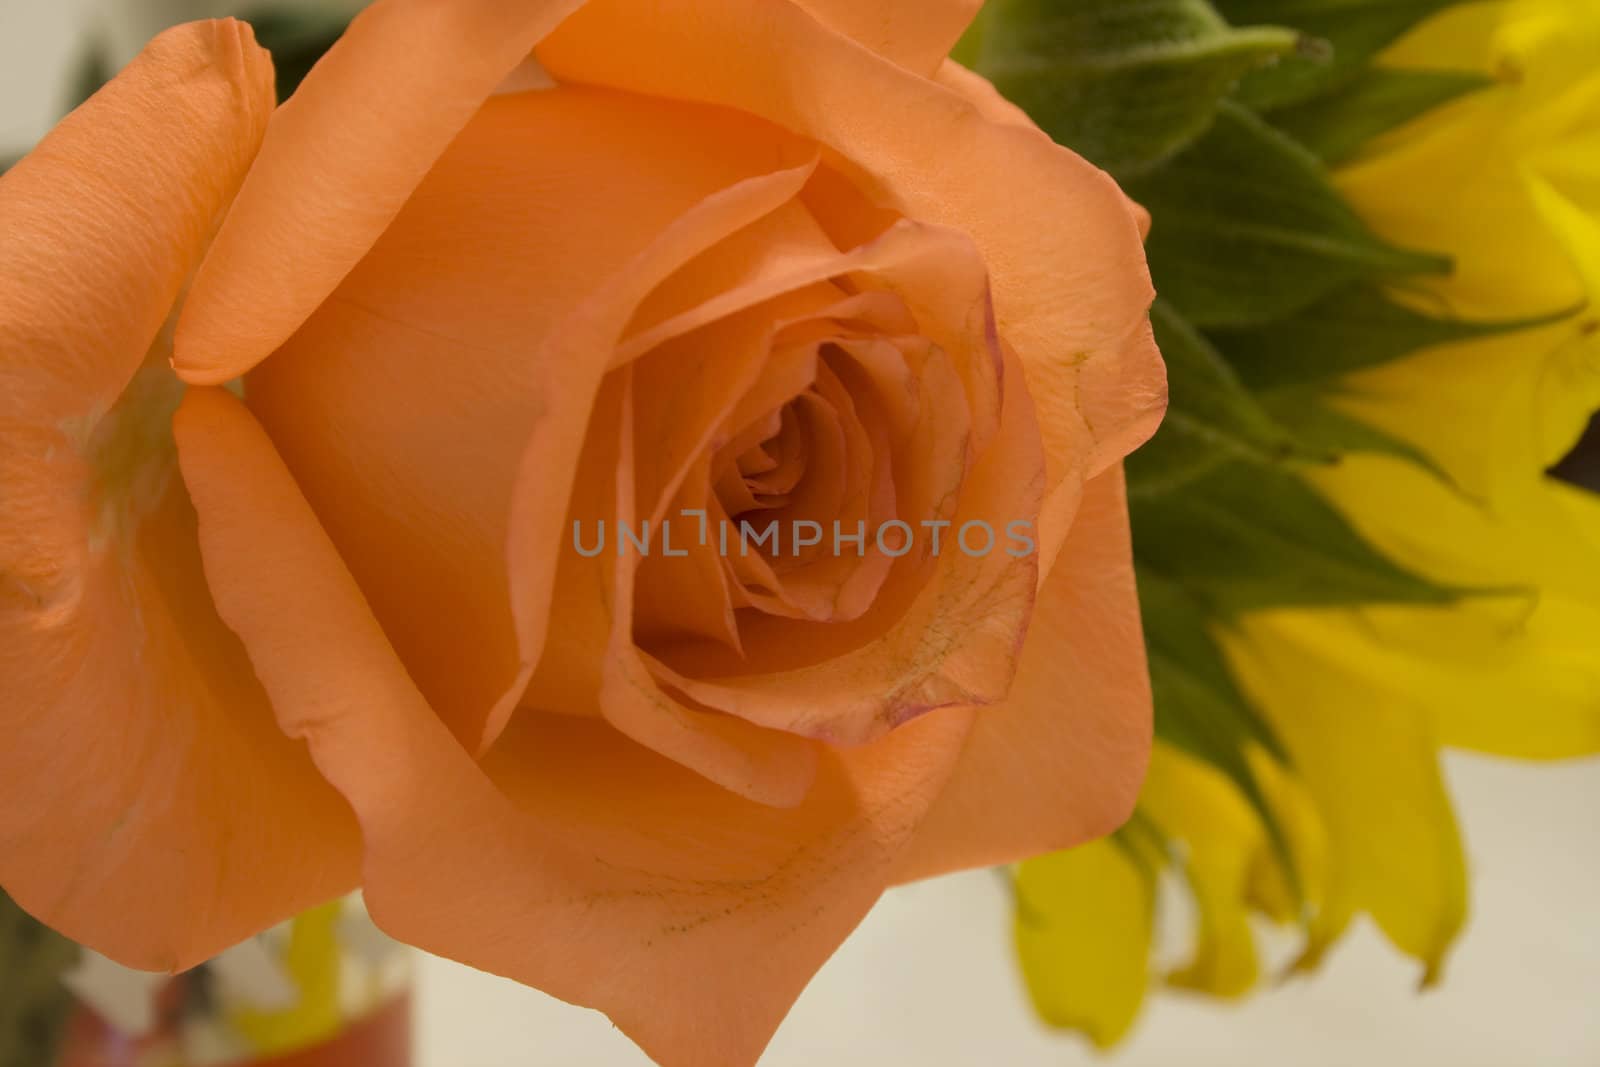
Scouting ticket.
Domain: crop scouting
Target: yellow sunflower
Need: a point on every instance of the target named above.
(1506, 181)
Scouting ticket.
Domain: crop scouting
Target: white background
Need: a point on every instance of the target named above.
(929, 980)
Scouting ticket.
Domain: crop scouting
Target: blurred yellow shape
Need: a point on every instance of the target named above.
(1083, 926)
(313, 962)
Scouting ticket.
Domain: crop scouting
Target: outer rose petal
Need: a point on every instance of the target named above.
(149, 806)
(981, 94)
(917, 34)
(586, 866)
(1092, 364)
(340, 159)
(989, 101)
(1062, 760)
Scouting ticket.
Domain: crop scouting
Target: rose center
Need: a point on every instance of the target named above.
(768, 472)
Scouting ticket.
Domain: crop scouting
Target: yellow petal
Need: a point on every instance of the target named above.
(1512, 266)
(1083, 928)
(1461, 38)
(1514, 674)
(313, 961)
(1524, 156)
(1269, 889)
(1219, 837)
(1368, 756)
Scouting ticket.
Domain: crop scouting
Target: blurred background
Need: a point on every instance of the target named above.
(930, 978)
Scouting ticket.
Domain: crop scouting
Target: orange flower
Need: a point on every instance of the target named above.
(778, 262)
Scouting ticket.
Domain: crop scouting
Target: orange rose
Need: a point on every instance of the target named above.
(772, 263)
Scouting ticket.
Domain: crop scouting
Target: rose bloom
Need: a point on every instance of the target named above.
(774, 261)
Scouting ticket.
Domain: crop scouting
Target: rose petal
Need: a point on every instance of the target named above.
(1072, 292)
(149, 806)
(585, 866)
(404, 404)
(689, 598)
(589, 664)
(981, 94)
(539, 530)
(766, 766)
(912, 277)
(917, 34)
(992, 105)
(956, 642)
(693, 388)
(787, 244)
(339, 161)
(838, 580)
(1060, 762)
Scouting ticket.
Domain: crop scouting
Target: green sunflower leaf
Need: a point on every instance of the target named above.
(1199, 708)
(1126, 85)
(1206, 713)
(1245, 537)
(1248, 230)
(1211, 416)
(1352, 329)
(1144, 842)
(1376, 101)
(1342, 37)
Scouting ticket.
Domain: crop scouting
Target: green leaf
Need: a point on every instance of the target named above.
(1245, 537)
(1376, 101)
(1324, 426)
(1352, 329)
(1144, 842)
(1248, 230)
(1343, 36)
(1208, 713)
(1211, 417)
(1199, 707)
(1127, 85)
